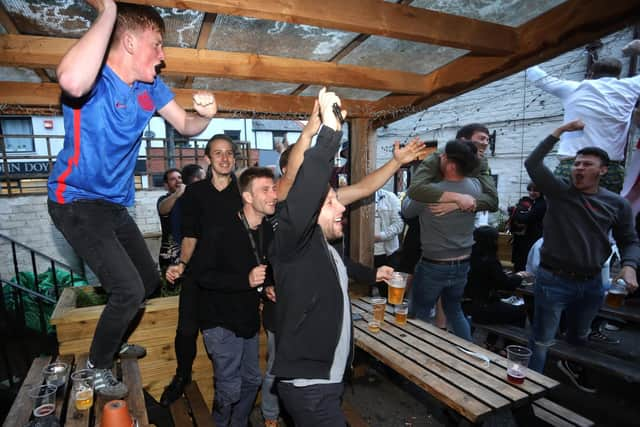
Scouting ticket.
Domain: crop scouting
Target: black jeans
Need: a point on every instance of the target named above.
(187, 331)
(105, 236)
(315, 405)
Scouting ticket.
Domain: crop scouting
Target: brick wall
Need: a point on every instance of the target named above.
(26, 220)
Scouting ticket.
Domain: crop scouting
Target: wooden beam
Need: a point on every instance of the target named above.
(9, 26)
(36, 51)
(231, 104)
(362, 160)
(368, 17)
(6, 21)
(565, 27)
(203, 38)
(345, 51)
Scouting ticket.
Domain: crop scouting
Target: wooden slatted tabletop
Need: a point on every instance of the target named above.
(431, 358)
(20, 411)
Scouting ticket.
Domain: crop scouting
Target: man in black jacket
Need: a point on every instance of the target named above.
(313, 320)
(229, 296)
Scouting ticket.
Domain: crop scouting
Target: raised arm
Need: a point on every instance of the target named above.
(81, 64)
(544, 179)
(189, 124)
(166, 204)
(558, 87)
(376, 179)
(296, 156)
(297, 215)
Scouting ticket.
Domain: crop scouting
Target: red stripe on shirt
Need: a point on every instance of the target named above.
(62, 186)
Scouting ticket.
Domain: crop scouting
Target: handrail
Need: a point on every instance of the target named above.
(37, 252)
(29, 291)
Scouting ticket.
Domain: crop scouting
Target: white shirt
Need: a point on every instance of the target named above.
(605, 106)
(388, 222)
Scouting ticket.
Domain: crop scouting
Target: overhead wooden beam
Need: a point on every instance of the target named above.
(36, 51)
(565, 27)
(237, 104)
(368, 17)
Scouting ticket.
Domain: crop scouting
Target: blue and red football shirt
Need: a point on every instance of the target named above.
(103, 131)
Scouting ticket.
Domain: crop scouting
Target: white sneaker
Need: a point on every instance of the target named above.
(513, 300)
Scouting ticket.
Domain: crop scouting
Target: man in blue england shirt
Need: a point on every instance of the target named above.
(107, 102)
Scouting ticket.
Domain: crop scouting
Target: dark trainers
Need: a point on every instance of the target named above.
(132, 350)
(106, 385)
(576, 375)
(174, 390)
(597, 336)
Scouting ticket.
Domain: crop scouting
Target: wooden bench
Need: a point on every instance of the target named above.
(556, 415)
(66, 412)
(433, 360)
(583, 355)
(191, 409)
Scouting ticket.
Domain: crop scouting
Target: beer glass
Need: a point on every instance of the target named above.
(82, 388)
(517, 363)
(616, 294)
(44, 400)
(396, 287)
(401, 312)
(55, 374)
(379, 304)
(374, 326)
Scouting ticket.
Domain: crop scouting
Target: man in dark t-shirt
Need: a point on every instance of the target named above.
(203, 204)
(169, 248)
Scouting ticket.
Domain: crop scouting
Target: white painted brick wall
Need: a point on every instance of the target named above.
(521, 114)
(26, 220)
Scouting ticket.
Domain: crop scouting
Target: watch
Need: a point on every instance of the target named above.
(182, 262)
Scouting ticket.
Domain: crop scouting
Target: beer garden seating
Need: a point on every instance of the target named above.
(20, 411)
(440, 363)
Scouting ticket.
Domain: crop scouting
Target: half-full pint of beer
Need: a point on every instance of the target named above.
(615, 298)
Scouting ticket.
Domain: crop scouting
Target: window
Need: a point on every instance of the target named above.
(11, 128)
(279, 137)
(233, 134)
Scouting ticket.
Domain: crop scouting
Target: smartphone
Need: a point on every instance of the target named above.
(356, 316)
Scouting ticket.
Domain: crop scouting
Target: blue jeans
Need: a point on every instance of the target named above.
(236, 377)
(270, 404)
(553, 295)
(447, 281)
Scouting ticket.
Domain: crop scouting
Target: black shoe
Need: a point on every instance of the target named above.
(174, 390)
(577, 376)
(132, 350)
(598, 336)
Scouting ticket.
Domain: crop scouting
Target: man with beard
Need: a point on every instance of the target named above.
(230, 286)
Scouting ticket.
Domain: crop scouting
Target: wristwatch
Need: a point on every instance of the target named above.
(182, 262)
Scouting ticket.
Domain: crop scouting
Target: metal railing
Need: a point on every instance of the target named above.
(24, 173)
(25, 306)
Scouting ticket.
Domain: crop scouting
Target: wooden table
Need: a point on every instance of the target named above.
(20, 411)
(431, 358)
